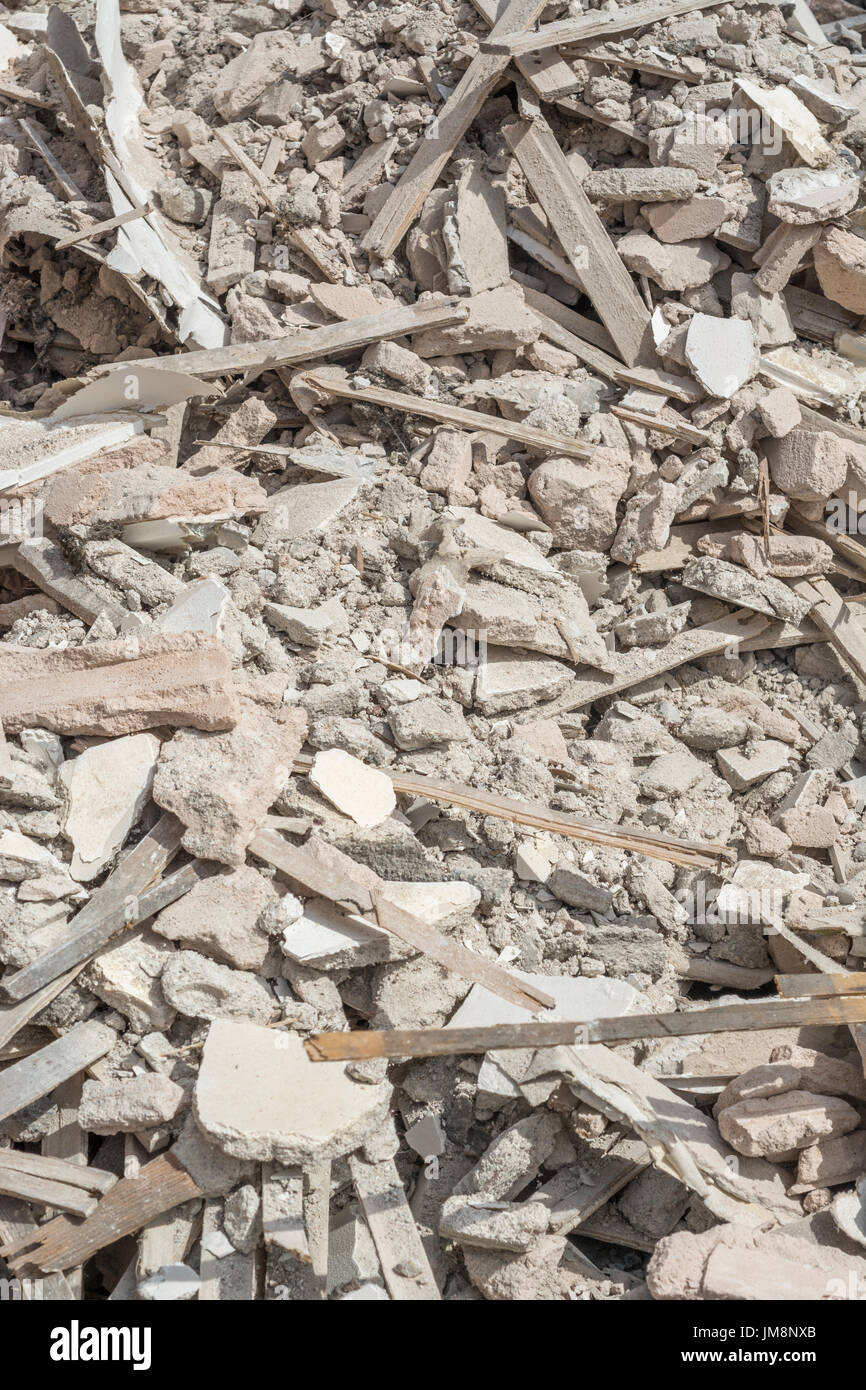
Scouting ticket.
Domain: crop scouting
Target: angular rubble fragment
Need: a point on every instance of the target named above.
(107, 788)
(119, 687)
(721, 353)
(128, 1105)
(222, 785)
(259, 1096)
(361, 792)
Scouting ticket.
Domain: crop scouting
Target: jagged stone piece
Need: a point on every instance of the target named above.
(259, 1096)
(107, 788)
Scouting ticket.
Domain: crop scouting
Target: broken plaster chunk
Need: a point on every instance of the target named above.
(840, 263)
(493, 1225)
(579, 500)
(804, 196)
(107, 788)
(832, 1161)
(733, 1261)
(304, 509)
(201, 988)
(810, 827)
(357, 790)
(795, 121)
(119, 687)
(775, 1126)
(578, 891)
(684, 266)
(309, 627)
(741, 769)
(128, 1104)
(779, 413)
(722, 353)
(170, 1284)
(259, 1096)
(221, 786)
(640, 185)
(497, 319)
(220, 916)
(685, 221)
(809, 465)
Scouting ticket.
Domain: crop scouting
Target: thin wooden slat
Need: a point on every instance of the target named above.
(654, 844)
(36, 1075)
(45, 1192)
(99, 229)
(441, 139)
(57, 1170)
(821, 986)
(834, 618)
(447, 1042)
(583, 237)
(123, 900)
(162, 1184)
(593, 24)
(324, 871)
(309, 344)
(392, 1226)
(14, 1017)
(541, 440)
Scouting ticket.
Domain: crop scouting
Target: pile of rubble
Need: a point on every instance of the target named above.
(432, 656)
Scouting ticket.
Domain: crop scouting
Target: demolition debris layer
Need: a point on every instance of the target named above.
(433, 651)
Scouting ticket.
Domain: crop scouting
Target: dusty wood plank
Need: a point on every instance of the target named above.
(655, 844)
(70, 190)
(540, 440)
(582, 236)
(591, 25)
(123, 900)
(820, 986)
(16, 1221)
(833, 616)
(57, 1170)
(664, 424)
(548, 74)
(61, 1244)
(442, 137)
(36, 1075)
(446, 1042)
(392, 1226)
(309, 344)
(325, 871)
(96, 230)
(638, 665)
(45, 1191)
(14, 1017)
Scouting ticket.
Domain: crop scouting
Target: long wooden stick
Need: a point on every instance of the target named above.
(591, 25)
(654, 844)
(122, 901)
(442, 137)
(449, 414)
(321, 869)
(36, 1075)
(447, 1042)
(821, 986)
(582, 236)
(99, 229)
(305, 346)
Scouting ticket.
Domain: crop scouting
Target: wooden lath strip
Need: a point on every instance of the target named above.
(593, 24)
(654, 844)
(442, 137)
(447, 1042)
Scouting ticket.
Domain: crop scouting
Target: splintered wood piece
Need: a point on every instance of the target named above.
(97, 230)
(640, 664)
(547, 74)
(16, 1221)
(583, 237)
(454, 415)
(593, 24)
(328, 341)
(392, 1226)
(70, 190)
(36, 1075)
(14, 1017)
(125, 899)
(447, 1042)
(45, 1192)
(821, 986)
(326, 872)
(653, 843)
(442, 137)
(57, 1170)
(664, 424)
(61, 1244)
(834, 618)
